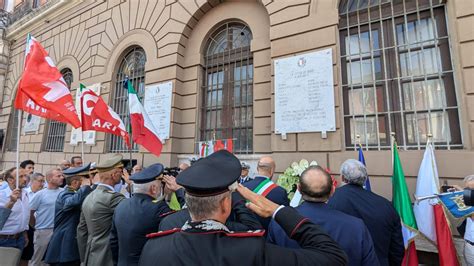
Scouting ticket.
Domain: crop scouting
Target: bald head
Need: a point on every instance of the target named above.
(315, 184)
(266, 166)
(183, 166)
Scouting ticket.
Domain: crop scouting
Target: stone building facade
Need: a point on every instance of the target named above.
(89, 40)
(219, 56)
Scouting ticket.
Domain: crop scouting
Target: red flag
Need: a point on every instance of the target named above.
(334, 181)
(98, 116)
(229, 145)
(410, 258)
(446, 249)
(42, 90)
(29, 106)
(219, 145)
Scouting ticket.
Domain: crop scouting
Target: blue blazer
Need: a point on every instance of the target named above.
(277, 195)
(63, 244)
(349, 232)
(134, 218)
(379, 216)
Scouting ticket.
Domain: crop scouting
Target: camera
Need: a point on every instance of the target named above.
(468, 197)
(171, 171)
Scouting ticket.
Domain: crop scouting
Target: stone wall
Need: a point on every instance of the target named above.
(90, 37)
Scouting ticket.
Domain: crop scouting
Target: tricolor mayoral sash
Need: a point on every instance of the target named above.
(265, 187)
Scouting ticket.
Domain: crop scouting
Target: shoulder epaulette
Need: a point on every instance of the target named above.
(163, 233)
(166, 213)
(110, 191)
(254, 233)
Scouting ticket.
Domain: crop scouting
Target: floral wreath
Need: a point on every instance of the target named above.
(291, 176)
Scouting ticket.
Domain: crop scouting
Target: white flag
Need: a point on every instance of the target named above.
(427, 184)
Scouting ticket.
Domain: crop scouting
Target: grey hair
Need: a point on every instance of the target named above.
(468, 178)
(143, 188)
(202, 208)
(50, 172)
(354, 172)
(35, 176)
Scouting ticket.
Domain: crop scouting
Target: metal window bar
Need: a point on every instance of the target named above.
(14, 130)
(132, 68)
(224, 109)
(395, 49)
(371, 48)
(440, 75)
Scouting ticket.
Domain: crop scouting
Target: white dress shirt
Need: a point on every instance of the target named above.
(18, 220)
(469, 233)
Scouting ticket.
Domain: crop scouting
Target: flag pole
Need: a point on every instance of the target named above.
(20, 114)
(392, 141)
(82, 127)
(130, 126)
(82, 144)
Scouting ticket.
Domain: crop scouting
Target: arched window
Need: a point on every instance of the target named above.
(131, 67)
(227, 92)
(13, 131)
(57, 130)
(397, 74)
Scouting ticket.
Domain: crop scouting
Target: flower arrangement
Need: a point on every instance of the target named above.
(291, 176)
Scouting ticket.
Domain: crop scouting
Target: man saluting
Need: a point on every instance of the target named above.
(205, 240)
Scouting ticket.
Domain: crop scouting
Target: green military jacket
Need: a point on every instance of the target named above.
(95, 224)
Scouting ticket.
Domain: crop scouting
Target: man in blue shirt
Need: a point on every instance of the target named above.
(42, 208)
(349, 232)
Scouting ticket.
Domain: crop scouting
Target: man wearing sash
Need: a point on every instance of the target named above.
(263, 185)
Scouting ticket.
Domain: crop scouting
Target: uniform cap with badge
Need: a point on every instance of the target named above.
(110, 163)
(149, 174)
(77, 171)
(245, 166)
(212, 175)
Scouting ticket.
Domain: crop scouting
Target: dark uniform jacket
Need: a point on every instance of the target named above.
(379, 216)
(63, 244)
(134, 218)
(348, 231)
(240, 219)
(211, 243)
(277, 195)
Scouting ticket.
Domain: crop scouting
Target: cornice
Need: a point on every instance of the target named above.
(36, 17)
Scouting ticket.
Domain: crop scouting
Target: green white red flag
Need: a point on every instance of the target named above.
(402, 203)
(429, 214)
(42, 90)
(143, 131)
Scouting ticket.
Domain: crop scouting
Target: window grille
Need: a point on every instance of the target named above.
(227, 92)
(397, 74)
(132, 67)
(13, 132)
(57, 130)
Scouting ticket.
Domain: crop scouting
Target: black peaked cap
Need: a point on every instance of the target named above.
(211, 175)
(148, 174)
(78, 171)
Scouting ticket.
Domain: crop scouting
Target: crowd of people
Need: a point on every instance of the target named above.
(212, 213)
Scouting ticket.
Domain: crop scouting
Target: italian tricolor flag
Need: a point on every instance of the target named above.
(402, 203)
(143, 131)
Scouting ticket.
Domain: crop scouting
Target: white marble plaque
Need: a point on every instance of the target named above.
(304, 93)
(76, 133)
(31, 123)
(157, 104)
